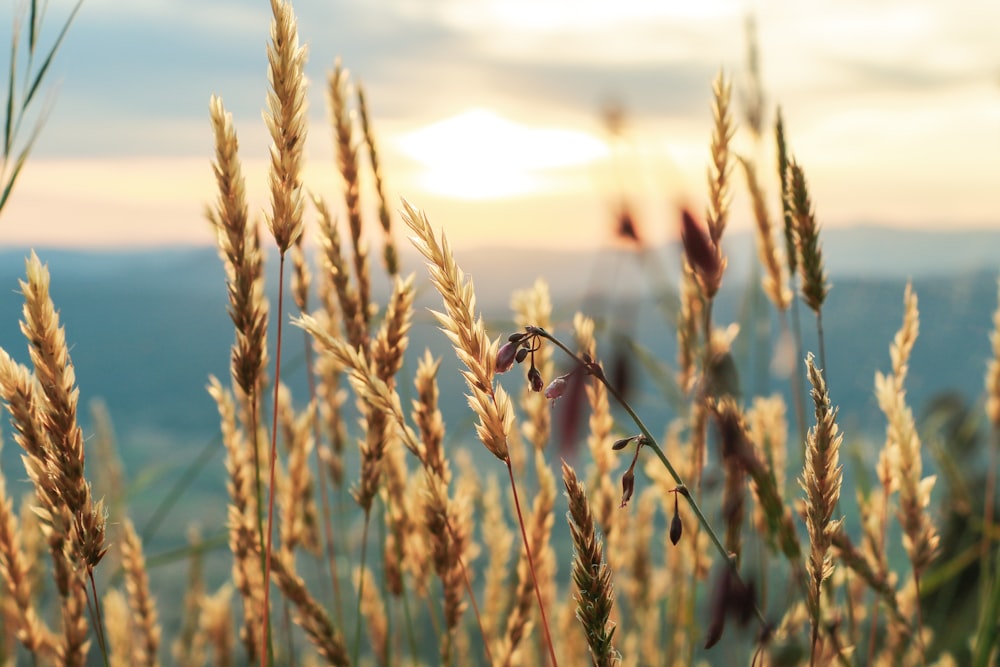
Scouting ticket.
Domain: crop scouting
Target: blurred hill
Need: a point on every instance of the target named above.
(147, 327)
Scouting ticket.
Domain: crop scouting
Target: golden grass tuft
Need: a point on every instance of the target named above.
(821, 480)
(809, 254)
(15, 573)
(142, 606)
(591, 574)
(347, 162)
(920, 537)
(775, 280)
(286, 121)
(467, 333)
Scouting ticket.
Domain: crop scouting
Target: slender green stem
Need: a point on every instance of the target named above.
(798, 387)
(649, 441)
(986, 570)
(176, 493)
(361, 587)
(822, 347)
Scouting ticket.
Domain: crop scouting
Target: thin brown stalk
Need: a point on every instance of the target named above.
(512, 639)
(497, 540)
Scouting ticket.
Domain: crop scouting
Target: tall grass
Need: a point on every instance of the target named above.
(448, 562)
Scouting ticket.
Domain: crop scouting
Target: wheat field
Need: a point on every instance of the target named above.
(731, 537)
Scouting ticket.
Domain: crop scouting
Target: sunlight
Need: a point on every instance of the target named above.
(478, 154)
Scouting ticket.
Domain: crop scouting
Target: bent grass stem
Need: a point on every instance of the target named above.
(595, 370)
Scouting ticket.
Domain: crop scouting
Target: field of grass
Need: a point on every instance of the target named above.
(359, 532)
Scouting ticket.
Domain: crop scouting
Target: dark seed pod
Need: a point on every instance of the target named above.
(521, 354)
(517, 337)
(676, 526)
(535, 379)
(628, 486)
(623, 443)
(676, 529)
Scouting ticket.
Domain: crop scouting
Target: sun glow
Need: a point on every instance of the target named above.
(478, 154)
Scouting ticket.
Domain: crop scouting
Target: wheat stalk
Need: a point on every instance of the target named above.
(595, 593)
(310, 615)
(244, 540)
(821, 480)
(216, 624)
(809, 254)
(118, 619)
(775, 280)
(29, 628)
(389, 254)
(718, 174)
(467, 334)
(920, 538)
(347, 162)
(57, 382)
(141, 604)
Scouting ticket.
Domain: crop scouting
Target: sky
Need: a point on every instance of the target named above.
(488, 113)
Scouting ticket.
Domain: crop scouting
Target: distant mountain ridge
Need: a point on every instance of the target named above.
(147, 327)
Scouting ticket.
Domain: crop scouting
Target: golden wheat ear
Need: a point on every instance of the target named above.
(591, 574)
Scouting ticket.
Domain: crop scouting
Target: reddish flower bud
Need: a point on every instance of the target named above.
(535, 379)
(505, 356)
(628, 485)
(701, 252)
(556, 388)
